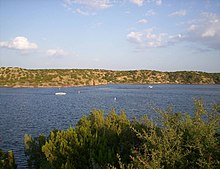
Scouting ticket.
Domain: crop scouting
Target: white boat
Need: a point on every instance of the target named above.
(60, 93)
(150, 87)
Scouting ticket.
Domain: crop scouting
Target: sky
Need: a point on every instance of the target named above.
(163, 35)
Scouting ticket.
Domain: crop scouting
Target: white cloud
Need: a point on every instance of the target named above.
(211, 27)
(153, 40)
(20, 43)
(158, 2)
(86, 7)
(85, 13)
(178, 13)
(98, 4)
(56, 52)
(137, 2)
(173, 39)
(149, 39)
(209, 33)
(205, 30)
(150, 13)
(135, 37)
(141, 2)
(142, 21)
(192, 27)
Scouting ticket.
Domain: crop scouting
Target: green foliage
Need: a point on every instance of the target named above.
(69, 77)
(36, 158)
(181, 141)
(173, 140)
(7, 160)
(94, 143)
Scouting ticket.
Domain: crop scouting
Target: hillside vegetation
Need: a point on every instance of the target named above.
(18, 77)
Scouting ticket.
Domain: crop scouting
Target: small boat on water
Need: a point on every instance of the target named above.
(150, 87)
(60, 93)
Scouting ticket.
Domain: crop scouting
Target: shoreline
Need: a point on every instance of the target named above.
(75, 86)
(55, 78)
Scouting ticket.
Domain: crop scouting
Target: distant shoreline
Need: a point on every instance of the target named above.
(45, 87)
(55, 78)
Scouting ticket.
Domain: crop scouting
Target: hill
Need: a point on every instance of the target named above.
(19, 77)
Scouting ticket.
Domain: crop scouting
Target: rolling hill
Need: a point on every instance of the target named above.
(19, 77)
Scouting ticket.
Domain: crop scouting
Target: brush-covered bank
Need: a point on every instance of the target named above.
(18, 77)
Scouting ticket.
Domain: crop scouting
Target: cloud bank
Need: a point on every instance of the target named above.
(204, 30)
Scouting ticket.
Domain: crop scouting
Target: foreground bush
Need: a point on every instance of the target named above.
(94, 143)
(174, 140)
(180, 140)
(7, 160)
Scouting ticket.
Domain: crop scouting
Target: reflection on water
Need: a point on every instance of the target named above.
(39, 110)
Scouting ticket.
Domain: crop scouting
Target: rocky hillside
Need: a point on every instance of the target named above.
(18, 77)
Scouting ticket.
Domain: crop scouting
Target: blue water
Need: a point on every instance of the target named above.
(39, 110)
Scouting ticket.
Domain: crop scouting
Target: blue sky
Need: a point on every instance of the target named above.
(165, 35)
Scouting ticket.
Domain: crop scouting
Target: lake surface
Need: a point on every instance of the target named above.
(39, 110)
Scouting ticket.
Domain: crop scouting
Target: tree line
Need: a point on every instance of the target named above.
(18, 77)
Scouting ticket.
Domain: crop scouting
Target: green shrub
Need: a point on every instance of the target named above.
(181, 141)
(33, 150)
(94, 143)
(7, 160)
(173, 140)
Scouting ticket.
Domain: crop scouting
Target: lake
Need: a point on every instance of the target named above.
(39, 110)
